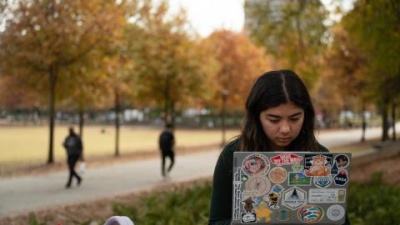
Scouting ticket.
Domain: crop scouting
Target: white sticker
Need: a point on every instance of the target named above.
(331, 195)
(335, 212)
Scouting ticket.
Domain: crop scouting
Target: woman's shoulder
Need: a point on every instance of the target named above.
(231, 147)
(322, 148)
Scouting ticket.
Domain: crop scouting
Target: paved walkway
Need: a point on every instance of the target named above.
(31, 193)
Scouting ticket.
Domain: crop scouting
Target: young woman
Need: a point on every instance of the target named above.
(279, 117)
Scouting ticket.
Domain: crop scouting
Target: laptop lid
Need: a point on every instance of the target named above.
(290, 187)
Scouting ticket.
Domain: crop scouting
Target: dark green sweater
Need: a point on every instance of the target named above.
(221, 198)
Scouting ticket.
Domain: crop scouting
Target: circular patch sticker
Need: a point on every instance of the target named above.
(342, 161)
(335, 212)
(283, 215)
(310, 214)
(278, 175)
(259, 185)
(255, 164)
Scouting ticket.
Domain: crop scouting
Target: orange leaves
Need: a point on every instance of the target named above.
(239, 62)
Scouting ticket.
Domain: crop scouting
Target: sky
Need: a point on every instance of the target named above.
(209, 15)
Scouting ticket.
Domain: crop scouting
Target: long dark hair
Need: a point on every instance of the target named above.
(270, 90)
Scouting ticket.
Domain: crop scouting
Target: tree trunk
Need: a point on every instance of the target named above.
(385, 122)
(117, 123)
(167, 103)
(81, 123)
(394, 105)
(363, 123)
(53, 82)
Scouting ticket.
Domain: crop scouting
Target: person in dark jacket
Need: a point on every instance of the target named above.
(74, 147)
(279, 117)
(166, 144)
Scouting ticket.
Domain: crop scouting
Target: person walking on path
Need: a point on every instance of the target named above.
(74, 147)
(166, 144)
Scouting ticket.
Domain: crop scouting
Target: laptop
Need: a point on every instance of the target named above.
(290, 188)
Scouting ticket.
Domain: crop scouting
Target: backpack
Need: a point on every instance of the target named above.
(166, 140)
(73, 145)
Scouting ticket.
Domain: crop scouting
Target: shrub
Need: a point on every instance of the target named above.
(374, 203)
(179, 207)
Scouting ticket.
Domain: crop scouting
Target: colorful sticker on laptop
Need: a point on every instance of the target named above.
(329, 195)
(317, 165)
(335, 212)
(263, 212)
(294, 198)
(323, 182)
(259, 184)
(255, 164)
(278, 175)
(273, 200)
(342, 161)
(297, 167)
(283, 215)
(310, 214)
(249, 218)
(277, 188)
(341, 178)
(286, 159)
(298, 179)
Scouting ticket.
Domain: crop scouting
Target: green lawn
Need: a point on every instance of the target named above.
(30, 144)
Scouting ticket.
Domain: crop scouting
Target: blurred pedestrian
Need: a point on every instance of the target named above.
(166, 144)
(74, 147)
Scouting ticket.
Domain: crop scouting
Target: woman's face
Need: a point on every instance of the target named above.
(282, 124)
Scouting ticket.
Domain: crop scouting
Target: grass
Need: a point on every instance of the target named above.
(30, 144)
(25, 146)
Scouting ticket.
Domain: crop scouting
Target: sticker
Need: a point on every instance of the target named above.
(294, 198)
(330, 195)
(342, 161)
(310, 214)
(323, 182)
(297, 167)
(258, 184)
(335, 212)
(335, 169)
(255, 164)
(299, 179)
(249, 217)
(317, 165)
(278, 175)
(341, 178)
(248, 205)
(273, 199)
(263, 212)
(277, 188)
(237, 186)
(283, 215)
(286, 159)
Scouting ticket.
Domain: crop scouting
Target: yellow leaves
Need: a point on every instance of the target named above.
(239, 62)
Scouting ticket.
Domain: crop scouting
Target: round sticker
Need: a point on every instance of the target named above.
(310, 214)
(342, 161)
(278, 175)
(255, 164)
(335, 212)
(283, 215)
